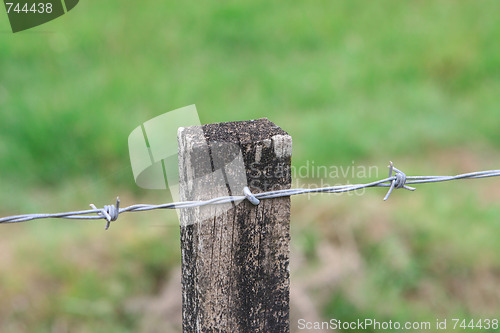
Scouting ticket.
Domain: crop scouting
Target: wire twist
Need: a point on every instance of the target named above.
(250, 197)
(399, 180)
(111, 212)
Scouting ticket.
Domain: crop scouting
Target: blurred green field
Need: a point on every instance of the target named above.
(415, 82)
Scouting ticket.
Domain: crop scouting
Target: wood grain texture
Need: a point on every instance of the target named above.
(235, 257)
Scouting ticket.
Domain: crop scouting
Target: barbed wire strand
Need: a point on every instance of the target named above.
(111, 212)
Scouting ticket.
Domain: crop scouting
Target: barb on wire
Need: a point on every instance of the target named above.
(398, 182)
(110, 213)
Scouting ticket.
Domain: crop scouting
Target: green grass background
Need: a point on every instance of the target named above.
(416, 82)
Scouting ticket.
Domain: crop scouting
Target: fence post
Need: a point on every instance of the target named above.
(235, 258)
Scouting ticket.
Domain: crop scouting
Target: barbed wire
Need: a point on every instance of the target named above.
(111, 212)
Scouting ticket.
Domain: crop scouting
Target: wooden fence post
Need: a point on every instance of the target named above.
(235, 257)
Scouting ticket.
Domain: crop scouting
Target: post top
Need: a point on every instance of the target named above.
(242, 132)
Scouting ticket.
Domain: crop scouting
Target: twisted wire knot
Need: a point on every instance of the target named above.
(398, 181)
(250, 197)
(109, 212)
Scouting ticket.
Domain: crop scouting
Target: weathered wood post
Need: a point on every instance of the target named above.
(235, 257)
